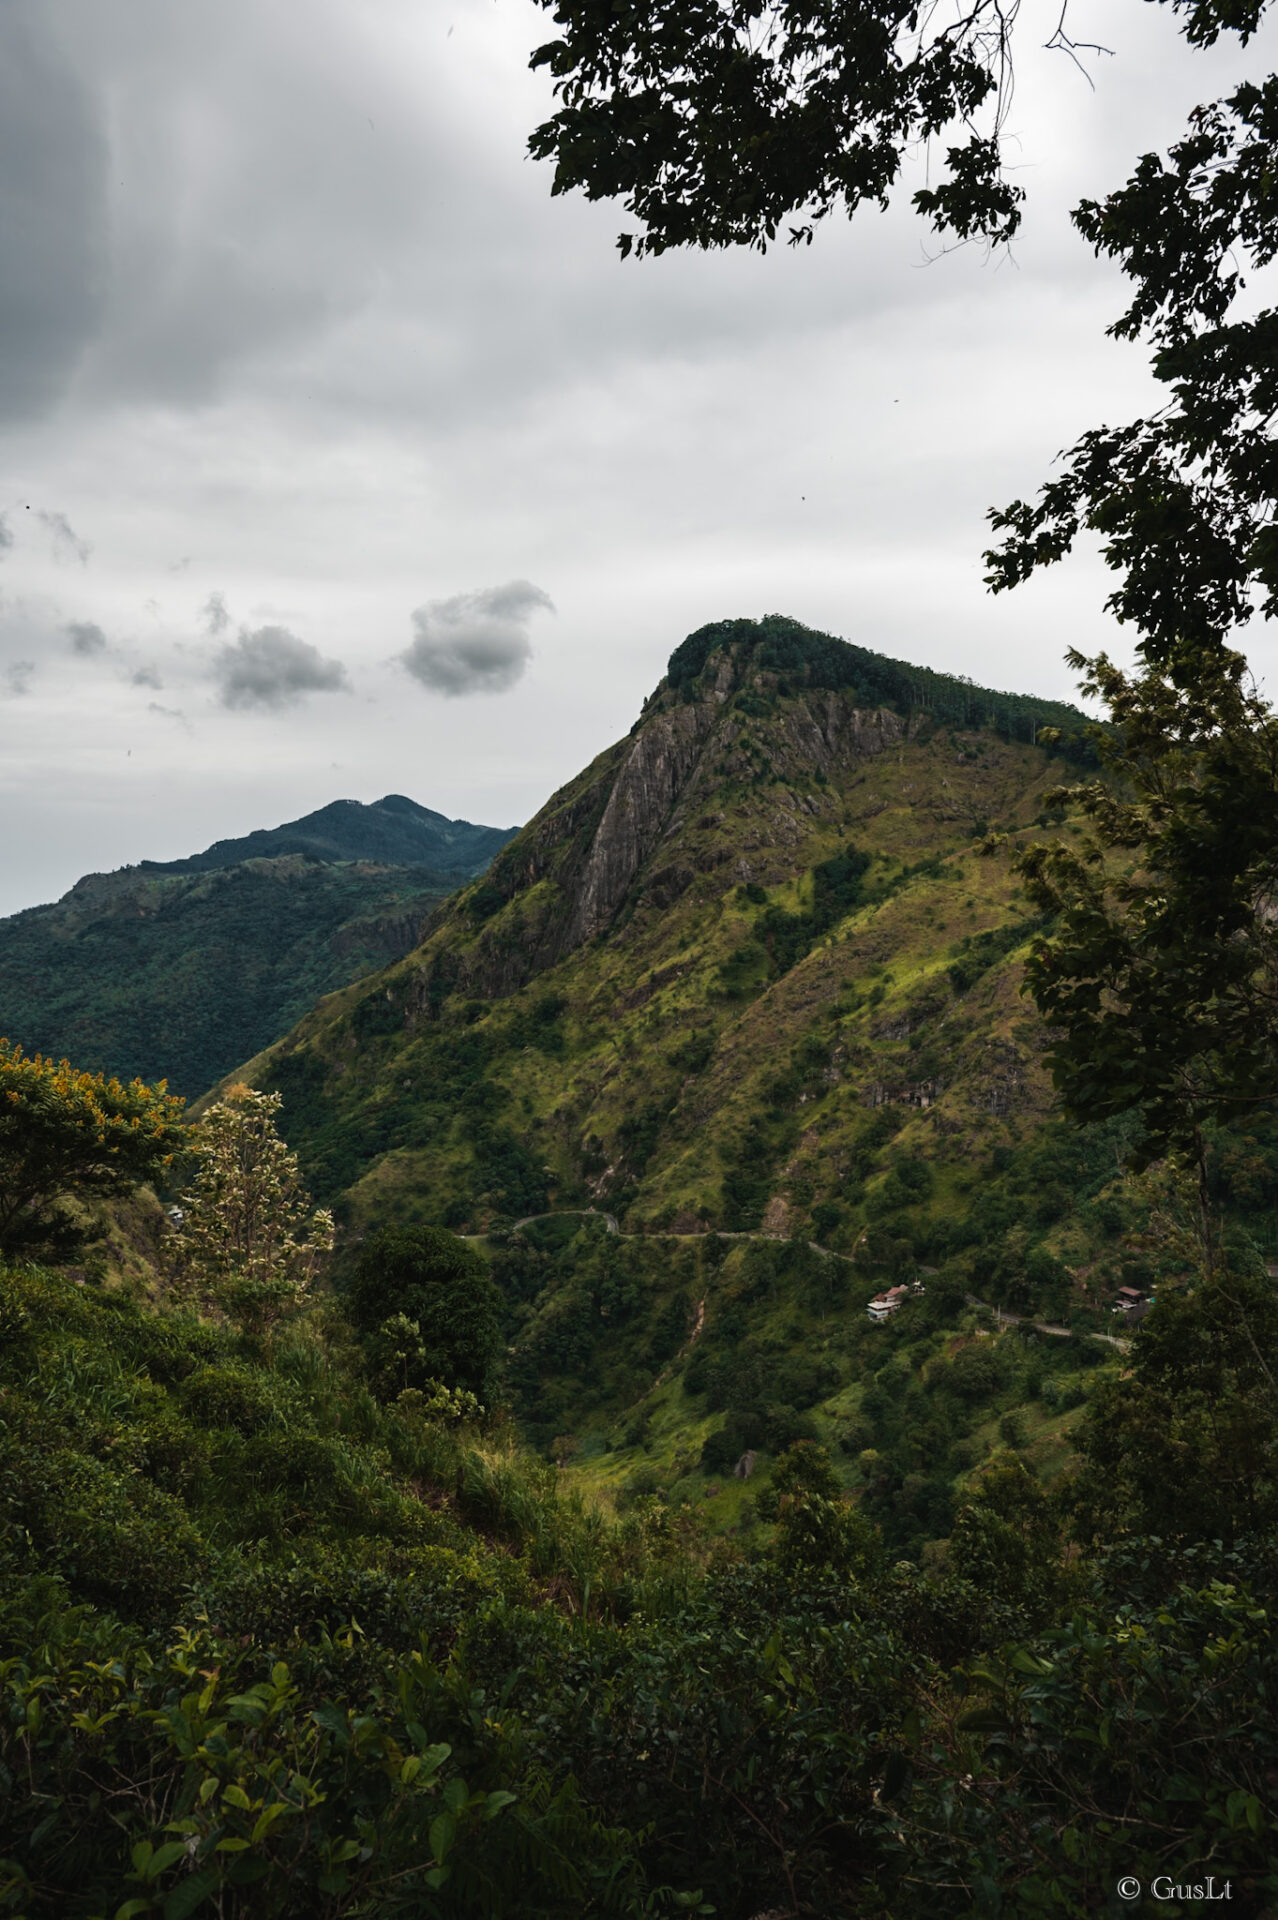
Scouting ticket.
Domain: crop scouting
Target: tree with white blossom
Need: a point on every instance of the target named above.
(249, 1241)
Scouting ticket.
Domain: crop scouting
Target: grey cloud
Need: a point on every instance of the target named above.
(86, 637)
(53, 221)
(167, 713)
(271, 667)
(17, 678)
(475, 642)
(214, 614)
(147, 677)
(289, 228)
(222, 244)
(63, 538)
(6, 534)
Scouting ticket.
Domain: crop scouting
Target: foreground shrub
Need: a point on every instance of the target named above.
(199, 1778)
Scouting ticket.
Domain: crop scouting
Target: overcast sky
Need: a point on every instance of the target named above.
(338, 459)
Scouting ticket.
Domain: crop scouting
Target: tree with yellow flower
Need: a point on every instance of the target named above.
(66, 1134)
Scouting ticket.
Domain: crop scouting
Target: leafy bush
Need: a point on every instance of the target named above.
(278, 1789)
(226, 1396)
(435, 1280)
(974, 1373)
(115, 1537)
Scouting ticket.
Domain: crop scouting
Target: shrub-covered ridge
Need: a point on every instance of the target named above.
(270, 1645)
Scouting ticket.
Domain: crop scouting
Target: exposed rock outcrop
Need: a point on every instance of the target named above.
(662, 756)
(564, 880)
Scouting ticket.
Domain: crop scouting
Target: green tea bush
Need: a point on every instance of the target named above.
(203, 1777)
(407, 1598)
(115, 1537)
(228, 1396)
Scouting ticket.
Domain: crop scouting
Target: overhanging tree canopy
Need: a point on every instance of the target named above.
(718, 120)
(1184, 500)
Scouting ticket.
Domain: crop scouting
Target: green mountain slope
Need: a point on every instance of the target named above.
(767, 933)
(750, 982)
(749, 988)
(175, 970)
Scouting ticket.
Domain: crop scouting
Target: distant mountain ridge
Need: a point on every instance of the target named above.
(175, 969)
(395, 831)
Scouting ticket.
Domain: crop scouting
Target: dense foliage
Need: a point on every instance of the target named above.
(796, 656)
(1160, 985)
(66, 1134)
(270, 1647)
(186, 976)
(427, 1309)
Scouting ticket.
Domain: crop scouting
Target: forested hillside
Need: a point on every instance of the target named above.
(174, 969)
(280, 1637)
(611, 1557)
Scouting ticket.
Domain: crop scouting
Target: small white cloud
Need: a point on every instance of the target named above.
(271, 667)
(475, 642)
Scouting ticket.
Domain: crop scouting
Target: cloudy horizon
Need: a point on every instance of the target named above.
(340, 459)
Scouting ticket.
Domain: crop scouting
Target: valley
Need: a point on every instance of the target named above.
(750, 988)
(748, 1452)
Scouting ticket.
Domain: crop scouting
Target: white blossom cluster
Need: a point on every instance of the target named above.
(249, 1241)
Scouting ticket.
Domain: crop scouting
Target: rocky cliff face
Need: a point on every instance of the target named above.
(651, 780)
(630, 821)
(683, 751)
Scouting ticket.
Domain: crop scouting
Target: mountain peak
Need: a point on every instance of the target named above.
(747, 709)
(394, 831)
(763, 721)
(400, 803)
(778, 654)
(782, 882)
